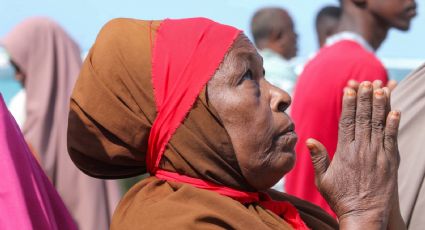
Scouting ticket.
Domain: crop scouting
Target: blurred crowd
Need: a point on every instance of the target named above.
(74, 127)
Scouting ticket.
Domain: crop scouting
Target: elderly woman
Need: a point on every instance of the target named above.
(186, 100)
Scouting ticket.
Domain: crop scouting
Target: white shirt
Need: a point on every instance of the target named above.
(347, 35)
(17, 107)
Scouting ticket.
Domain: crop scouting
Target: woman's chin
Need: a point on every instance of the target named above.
(286, 161)
(267, 176)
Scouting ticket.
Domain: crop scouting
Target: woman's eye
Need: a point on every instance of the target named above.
(247, 76)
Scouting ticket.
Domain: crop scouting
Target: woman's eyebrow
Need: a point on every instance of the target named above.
(250, 56)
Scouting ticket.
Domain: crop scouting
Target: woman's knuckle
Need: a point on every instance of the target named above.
(346, 122)
(364, 98)
(379, 106)
(377, 124)
(350, 103)
(363, 119)
(391, 133)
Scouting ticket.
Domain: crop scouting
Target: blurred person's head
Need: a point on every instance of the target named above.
(273, 28)
(38, 47)
(375, 17)
(327, 22)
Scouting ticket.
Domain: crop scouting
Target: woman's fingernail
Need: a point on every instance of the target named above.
(395, 114)
(377, 83)
(310, 144)
(367, 85)
(379, 93)
(311, 147)
(350, 92)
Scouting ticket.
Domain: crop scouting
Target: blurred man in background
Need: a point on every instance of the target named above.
(275, 37)
(348, 55)
(327, 23)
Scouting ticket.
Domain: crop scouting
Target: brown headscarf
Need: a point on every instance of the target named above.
(112, 110)
(50, 61)
(409, 98)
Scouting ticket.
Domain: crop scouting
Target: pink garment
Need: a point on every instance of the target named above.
(27, 198)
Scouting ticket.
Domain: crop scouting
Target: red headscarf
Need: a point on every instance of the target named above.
(180, 70)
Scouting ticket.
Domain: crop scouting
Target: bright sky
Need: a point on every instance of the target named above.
(84, 18)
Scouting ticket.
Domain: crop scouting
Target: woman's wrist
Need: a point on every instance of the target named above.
(370, 220)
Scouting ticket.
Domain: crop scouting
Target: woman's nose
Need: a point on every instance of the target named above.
(279, 99)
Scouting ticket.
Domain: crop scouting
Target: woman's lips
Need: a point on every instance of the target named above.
(291, 137)
(286, 138)
(288, 141)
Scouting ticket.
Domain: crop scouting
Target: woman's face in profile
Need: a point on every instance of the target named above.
(252, 111)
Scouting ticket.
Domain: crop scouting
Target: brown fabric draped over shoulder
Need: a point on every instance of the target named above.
(156, 204)
(112, 110)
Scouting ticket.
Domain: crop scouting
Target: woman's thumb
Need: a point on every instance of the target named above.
(319, 157)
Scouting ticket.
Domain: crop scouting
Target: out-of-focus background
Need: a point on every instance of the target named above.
(401, 52)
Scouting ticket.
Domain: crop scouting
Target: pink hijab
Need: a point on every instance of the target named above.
(27, 198)
(51, 61)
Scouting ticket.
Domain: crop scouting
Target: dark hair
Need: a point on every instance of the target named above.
(265, 22)
(15, 66)
(328, 12)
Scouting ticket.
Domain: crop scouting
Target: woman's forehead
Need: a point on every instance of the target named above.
(243, 42)
(244, 49)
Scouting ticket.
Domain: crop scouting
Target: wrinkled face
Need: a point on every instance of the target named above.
(253, 112)
(284, 41)
(394, 13)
